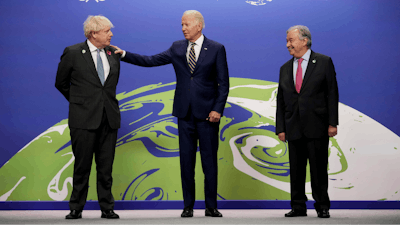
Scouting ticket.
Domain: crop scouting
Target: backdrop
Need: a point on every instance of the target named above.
(361, 37)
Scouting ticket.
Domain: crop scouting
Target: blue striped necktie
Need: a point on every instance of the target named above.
(100, 68)
(192, 58)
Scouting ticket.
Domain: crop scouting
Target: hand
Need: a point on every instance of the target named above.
(282, 136)
(118, 51)
(332, 131)
(213, 116)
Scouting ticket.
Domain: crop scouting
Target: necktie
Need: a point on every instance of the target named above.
(100, 68)
(299, 76)
(192, 59)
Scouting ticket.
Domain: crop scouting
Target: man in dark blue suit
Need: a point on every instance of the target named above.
(202, 86)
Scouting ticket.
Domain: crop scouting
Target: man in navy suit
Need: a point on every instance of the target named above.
(202, 86)
(306, 116)
(87, 76)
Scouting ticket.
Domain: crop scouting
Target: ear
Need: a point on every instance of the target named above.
(94, 34)
(305, 40)
(200, 26)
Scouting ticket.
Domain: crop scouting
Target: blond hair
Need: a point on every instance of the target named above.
(95, 23)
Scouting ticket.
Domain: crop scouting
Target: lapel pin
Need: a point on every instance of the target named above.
(83, 51)
(205, 49)
(108, 52)
(314, 61)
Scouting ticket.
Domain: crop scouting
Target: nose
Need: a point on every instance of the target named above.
(111, 33)
(287, 44)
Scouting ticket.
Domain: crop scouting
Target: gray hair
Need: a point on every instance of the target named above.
(197, 15)
(95, 23)
(304, 32)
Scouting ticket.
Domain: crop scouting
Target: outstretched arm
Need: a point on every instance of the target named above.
(160, 59)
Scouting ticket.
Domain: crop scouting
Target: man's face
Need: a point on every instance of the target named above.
(191, 28)
(103, 37)
(296, 47)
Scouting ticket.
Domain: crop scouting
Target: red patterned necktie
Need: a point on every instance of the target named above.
(299, 76)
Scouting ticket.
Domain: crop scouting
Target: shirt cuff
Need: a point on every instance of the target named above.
(123, 54)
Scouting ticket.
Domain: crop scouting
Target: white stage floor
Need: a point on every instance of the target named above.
(230, 217)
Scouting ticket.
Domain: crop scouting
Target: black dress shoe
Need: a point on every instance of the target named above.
(109, 214)
(295, 213)
(187, 212)
(74, 214)
(323, 213)
(213, 212)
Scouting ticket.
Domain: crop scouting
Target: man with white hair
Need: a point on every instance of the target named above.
(306, 116)
(87, 76)
(202, 86)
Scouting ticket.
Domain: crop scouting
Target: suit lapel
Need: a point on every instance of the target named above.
(202, 54)
(290, 74)
(111, 61)
(182, 51)
(310, 68)
(88, 58)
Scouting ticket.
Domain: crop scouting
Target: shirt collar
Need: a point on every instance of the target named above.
(199, 41)
(92, 48)
(305, 57)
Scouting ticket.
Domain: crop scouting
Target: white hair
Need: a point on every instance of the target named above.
(304, 32)
(197, 15)
(95, 23)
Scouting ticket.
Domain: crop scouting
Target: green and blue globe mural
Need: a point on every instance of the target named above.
(253, 162)
(36, 163)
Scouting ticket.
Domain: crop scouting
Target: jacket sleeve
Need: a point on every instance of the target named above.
(333, 94)
(160, 59)
(223, 81)
(63, 78)
(280, 108)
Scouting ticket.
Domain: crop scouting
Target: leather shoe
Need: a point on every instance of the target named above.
(323, 213)
(74, 214)
(109, 214)
(295, 213)
(213, 212)
(187, 212)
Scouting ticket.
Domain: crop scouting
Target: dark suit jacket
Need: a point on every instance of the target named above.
(310, 112)
(206, 89)
(78, 81)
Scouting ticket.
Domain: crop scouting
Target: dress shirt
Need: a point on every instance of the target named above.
(304, 63)
(197, 47)
(106, 65)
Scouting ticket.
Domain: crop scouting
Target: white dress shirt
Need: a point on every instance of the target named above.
(106, 65)
(304, 63)
(197, 47)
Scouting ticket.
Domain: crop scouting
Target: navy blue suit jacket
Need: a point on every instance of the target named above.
(206, 89)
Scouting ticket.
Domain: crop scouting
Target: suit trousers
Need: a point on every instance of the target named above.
(316, 151)
(191, 130)
(100, 142)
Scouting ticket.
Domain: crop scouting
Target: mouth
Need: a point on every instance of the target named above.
(290, 48)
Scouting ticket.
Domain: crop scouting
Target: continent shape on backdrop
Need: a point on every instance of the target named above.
(253, 163)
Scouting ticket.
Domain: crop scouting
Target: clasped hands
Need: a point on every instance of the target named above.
(332, 131)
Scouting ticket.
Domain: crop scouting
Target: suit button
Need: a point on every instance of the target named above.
(189, 89)
(191, 78)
